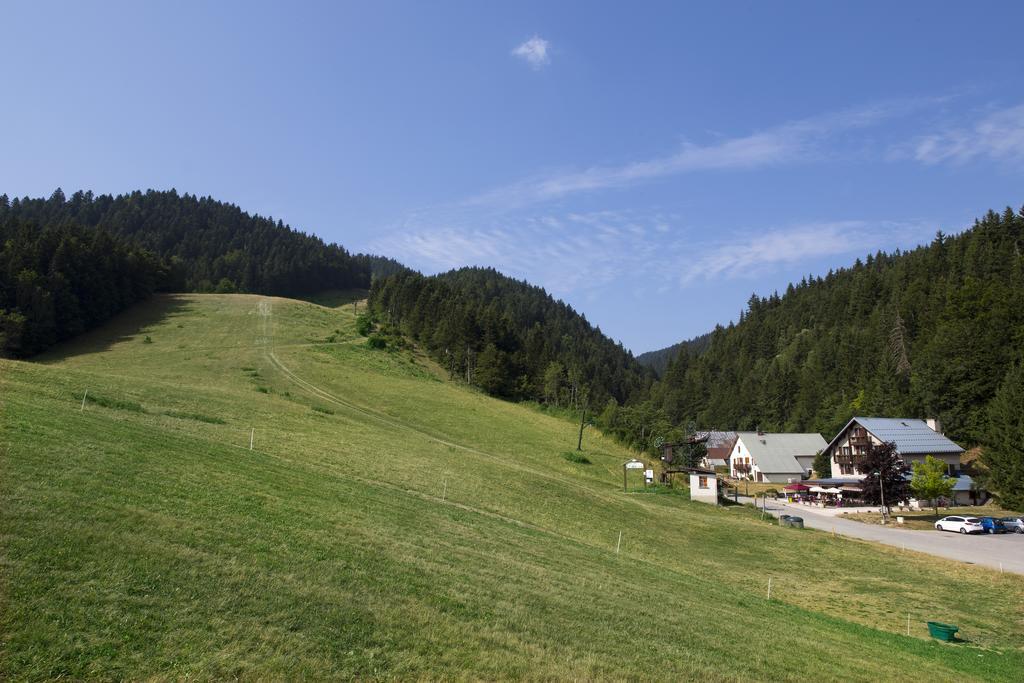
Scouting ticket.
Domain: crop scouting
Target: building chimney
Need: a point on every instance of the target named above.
(934, 424)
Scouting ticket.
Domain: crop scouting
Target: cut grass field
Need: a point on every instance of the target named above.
(390, 524)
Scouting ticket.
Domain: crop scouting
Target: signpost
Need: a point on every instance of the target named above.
(630, 465)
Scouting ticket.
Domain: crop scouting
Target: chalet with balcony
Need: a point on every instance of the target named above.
(914, 439)
(777, 458)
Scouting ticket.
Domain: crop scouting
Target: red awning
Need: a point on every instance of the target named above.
(796, 487)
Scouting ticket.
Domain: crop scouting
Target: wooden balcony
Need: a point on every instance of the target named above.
(860, 440)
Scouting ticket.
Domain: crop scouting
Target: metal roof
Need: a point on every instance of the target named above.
(963, 483)
(910, 436)
(777, 452)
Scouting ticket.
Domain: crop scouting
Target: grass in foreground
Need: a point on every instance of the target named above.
(413, 528)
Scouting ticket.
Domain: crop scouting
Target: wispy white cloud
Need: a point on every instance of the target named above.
(998, 135)
(566, 253)
(534, 52)
(524, 231)
(752, 253)
(574, 253)
(791, 142)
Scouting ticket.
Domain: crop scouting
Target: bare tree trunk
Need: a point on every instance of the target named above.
(583, 417)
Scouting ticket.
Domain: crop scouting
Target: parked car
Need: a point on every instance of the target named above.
(991, 525)
(1013, 524)
(965, 525)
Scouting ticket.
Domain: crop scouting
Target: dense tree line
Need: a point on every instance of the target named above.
(659, 360)
(931, 332)
(209, 245)
(509, 338)
(59, 280)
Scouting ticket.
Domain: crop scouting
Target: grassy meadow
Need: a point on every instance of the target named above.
(390, 524)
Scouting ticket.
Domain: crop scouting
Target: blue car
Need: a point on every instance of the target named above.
(991, 525)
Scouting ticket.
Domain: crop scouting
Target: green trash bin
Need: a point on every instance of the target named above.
(796, 522)
(942, 631)
(784, 520)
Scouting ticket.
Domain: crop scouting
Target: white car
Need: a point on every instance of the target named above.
(965, 525)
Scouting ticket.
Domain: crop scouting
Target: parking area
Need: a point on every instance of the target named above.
(1003, 552)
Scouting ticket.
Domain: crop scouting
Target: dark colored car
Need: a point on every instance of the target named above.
(991, 525)
(1013, 524)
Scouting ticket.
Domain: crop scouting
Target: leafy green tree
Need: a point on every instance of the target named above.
(554, 375)
(822, 464)
(930, 481)
(1003, 455)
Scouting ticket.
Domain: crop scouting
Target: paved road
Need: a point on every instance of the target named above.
(987, 550)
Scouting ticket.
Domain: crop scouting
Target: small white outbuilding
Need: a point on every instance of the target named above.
(704, 486)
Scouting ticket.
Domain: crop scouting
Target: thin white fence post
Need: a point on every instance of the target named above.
(769, 588)
(252, 437)
(445, 493)
(908, 623)
(84, 396)
(618, 543)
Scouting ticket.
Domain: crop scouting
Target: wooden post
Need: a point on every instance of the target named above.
(623, 477)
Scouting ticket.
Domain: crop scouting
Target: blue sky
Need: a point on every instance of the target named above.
(653, 164)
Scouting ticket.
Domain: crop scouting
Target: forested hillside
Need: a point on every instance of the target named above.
(659, 360)
(209, 245)
(59, 280)
(69, 264)
(930, 332)
(509, 338)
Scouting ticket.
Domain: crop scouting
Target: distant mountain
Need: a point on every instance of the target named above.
(509, 338)
(659, 360)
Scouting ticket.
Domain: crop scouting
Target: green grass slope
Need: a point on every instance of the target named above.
(389, 524)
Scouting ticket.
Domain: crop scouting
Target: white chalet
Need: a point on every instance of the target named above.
(780, 458)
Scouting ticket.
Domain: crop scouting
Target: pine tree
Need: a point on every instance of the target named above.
(1003, 455)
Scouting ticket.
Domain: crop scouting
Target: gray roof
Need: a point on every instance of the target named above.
(910, 436)
(777, 452)
(963, 483)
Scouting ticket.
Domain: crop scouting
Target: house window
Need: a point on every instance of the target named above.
(846, 469)
(846, 450)
(954, 471)
(702, 482)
